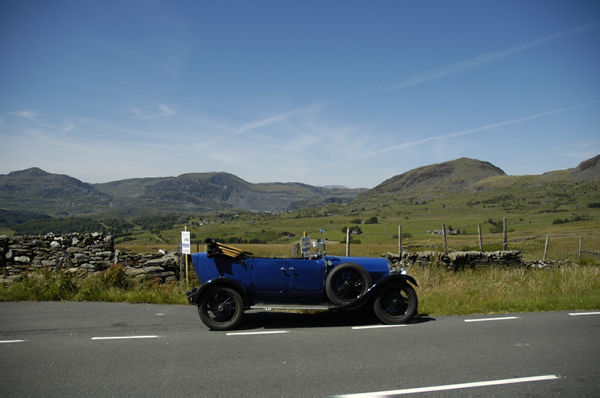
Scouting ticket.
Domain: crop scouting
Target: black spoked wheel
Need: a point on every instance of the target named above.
(346, 282)
(221, 308)
(396, 303)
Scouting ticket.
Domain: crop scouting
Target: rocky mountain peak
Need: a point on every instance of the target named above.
(587, 169)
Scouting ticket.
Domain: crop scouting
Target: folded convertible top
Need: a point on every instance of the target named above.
(219, 249)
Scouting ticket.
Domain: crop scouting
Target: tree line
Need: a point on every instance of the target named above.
(113, 226)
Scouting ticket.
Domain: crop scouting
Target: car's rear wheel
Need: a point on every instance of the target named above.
(395, 303)
(221, 308)
(346, 282)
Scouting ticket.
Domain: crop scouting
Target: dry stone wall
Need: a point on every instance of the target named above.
(82, 254)
(459, 260)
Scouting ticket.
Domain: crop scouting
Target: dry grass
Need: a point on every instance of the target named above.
(506, 290)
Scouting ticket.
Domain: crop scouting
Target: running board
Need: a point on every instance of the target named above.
(295, 307)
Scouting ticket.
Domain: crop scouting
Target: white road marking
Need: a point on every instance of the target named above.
(491, 319)
(256, 333)
(584, 313)
(454, 386)
(125, 337)
(376, 327)
(11, 341)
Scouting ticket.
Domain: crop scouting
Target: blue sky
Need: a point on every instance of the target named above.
(320, 92)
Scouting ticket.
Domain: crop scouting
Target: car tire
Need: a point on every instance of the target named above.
(221, 308)
(346, 282)
(395, 303)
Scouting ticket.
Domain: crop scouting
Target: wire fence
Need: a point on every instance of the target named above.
(575, 246)
(558, 247)
(532, 248)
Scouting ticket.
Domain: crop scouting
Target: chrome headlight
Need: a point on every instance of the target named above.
(392, 270)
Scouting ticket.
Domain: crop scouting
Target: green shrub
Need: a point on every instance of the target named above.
(115, 276)
(111, 285)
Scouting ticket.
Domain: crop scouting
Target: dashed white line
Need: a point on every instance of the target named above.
(491, 319)
(256, 333)
(125, 337)
(376, 327)
(455, 386)
(584, 313)
(11, 341)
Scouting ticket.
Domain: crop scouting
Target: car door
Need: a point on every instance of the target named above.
(306, 276)
(268, 275)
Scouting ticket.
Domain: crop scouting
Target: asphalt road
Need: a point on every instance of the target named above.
(112, 348)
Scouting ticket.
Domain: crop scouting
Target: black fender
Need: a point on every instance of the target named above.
(397, 278)
(366, 298)
(221, 282)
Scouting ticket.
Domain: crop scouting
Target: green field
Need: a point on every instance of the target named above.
(532, 214)
(535, 207)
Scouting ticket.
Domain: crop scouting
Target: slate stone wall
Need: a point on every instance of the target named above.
(459, 260)
(82, 254)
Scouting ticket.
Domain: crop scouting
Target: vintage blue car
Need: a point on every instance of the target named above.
(233, 281)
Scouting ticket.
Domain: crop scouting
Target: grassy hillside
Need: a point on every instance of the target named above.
(421, 201)
(37, 191)
(533, 208)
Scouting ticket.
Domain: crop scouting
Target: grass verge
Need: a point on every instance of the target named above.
(112, 285)
(507, 290)
(440, 291)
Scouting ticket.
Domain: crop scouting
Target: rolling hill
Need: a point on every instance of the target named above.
(34, 190)
(59, 195)
(426, 182)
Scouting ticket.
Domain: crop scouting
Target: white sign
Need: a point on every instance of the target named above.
(185, 243)
(305, 246)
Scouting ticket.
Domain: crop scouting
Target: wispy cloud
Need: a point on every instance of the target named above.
(588, 149)
(267, 121)
(484, 59)
(462, 132)
(165, 110)
(279, 118)
(25, 114)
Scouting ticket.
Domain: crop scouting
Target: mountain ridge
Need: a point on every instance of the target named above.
(36, 190)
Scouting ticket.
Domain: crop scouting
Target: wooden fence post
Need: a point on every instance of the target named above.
(399, 240)
(480, 240)
(505, 243)
(445, 243)
(580, 247)
(347, 242)
(546, 247)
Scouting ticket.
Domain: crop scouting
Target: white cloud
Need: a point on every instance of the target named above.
(165, 110)
(25, 114)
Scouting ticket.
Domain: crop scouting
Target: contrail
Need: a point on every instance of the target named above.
(487, 58)
(463, 132)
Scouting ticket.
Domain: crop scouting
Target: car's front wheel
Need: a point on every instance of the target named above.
(395, 303)
(221, 308)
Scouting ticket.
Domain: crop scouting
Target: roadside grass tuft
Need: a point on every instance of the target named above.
(441, 291)
(505, 290)
(111, 285)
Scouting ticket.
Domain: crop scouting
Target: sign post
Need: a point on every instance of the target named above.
(305, 246)
(185, 250)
